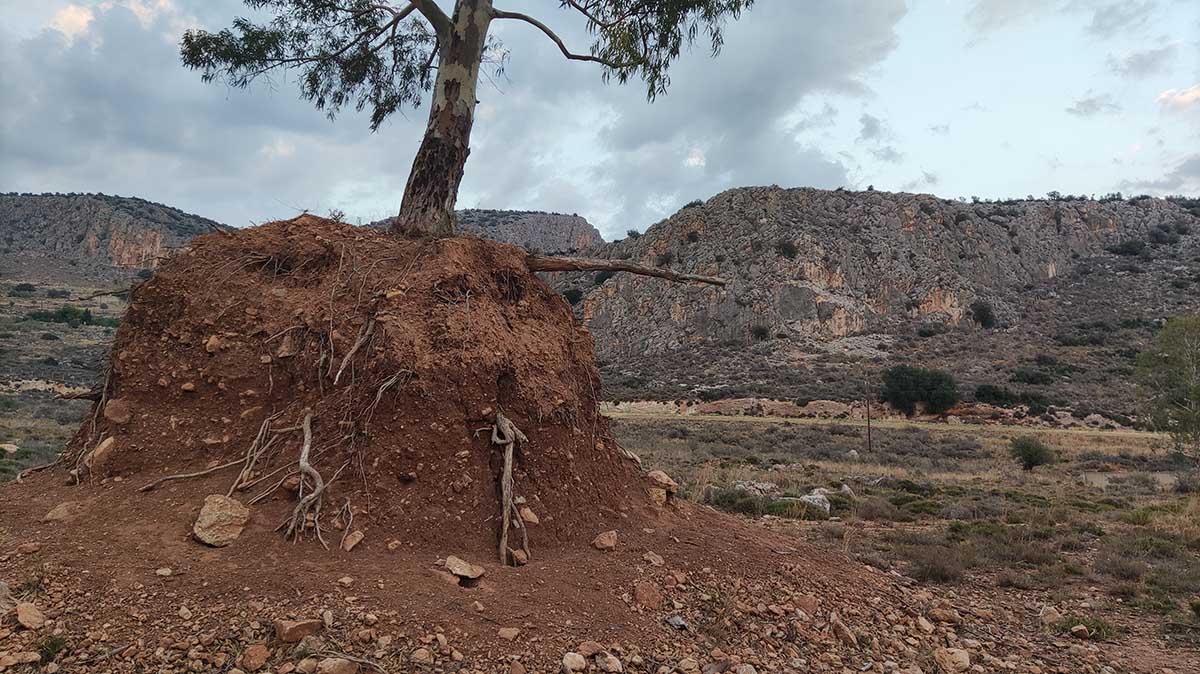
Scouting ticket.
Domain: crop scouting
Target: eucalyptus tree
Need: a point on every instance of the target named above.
(383, 56)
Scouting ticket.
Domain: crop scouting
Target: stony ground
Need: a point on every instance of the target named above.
(1107, 537)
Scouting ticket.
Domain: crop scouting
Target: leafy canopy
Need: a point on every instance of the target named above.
(1170, 373)
(904, 386)
(382, 56)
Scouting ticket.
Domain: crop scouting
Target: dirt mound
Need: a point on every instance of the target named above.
(404, 352)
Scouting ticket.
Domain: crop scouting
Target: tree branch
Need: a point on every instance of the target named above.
(436, 17)
(547, 263)
(498, 14)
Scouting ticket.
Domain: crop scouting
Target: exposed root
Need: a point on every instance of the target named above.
(507, 434)
(257, 448)
(310, 504)
(363, 336)
(37, 469)
(185, 476)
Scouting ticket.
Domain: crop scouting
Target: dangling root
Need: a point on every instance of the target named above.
(363, 335)
(312, 501)
(257, 448)
(506, 433)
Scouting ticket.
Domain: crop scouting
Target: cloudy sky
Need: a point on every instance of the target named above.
(959, 98)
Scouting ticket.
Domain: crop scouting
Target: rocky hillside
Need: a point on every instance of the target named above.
(57, 237)
(532, 230)
(845, 278)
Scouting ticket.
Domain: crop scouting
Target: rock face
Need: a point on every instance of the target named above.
(221, 520)
(807, 263)
(49, 236)
(532, 230)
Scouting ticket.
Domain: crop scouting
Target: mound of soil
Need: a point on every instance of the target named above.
(404, 351)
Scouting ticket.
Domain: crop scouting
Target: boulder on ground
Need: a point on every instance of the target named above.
(221, 520)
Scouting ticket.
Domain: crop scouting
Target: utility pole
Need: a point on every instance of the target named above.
(868, 422)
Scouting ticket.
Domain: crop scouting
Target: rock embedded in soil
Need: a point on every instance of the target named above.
(118, 411)
(337, 666)
(605, 541)
(352, 539)
(221, 520)
(663, 481)
(463, 568)
(952, 660)
(29, 616)
(28, 548)
(64, 511)
(292, 631)
(254, 658)
(508, 633)
(647, 595)
(422, 656)
(97, 461)
(574, 662)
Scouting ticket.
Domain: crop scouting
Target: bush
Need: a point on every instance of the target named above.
(787, 249)
(1030, 452)
(573, 295)
(602, 276)
(983, 314)
(58, 293)
(692, 204)
(664, 259)
(904, 386)
(925, 330)
(633, 233)
(1026, 375)
(935, 564)
(1130, 248)
(760, 332)
(72, 316)
(693, 237)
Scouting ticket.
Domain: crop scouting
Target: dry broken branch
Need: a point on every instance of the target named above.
(549, 263)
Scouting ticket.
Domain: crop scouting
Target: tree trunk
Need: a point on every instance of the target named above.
(437, 170)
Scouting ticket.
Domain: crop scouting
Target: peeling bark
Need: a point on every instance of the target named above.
(437, 170)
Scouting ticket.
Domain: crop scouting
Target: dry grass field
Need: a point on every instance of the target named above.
(1108, 534)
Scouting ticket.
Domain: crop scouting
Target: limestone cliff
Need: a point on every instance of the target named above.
(807, 264)
(89, 235)
(533, 230)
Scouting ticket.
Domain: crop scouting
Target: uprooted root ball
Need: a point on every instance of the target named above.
(404, 352)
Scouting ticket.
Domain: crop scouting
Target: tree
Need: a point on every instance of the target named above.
(383, 56)
(1169, 371)
(904, 386)
(1030, 452)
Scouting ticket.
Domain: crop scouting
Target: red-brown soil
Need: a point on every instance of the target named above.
(239, 328)
(242, 327)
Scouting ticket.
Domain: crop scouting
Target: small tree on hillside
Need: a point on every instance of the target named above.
(1030, 452)
(904, 386)
(382, 56)
(1169, 372)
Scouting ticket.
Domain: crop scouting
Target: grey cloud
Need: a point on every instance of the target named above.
(871, 127)
(121, 115)
(818, 120)
(887, 153)
(927, 179)
(1142, 63)
(986, 16)
(1185, 176)
(1120, 17)
(1090, 106)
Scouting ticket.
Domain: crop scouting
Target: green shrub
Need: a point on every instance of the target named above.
(1098, 630)
(633, 234)
(693, 204)
(72, 316)
(573, 295)
(1025, 375)
(904, 386)
(760, 332)
(1130, 248)
(983, 314)
(1030, 452)
(787, 249)
(602, 276)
